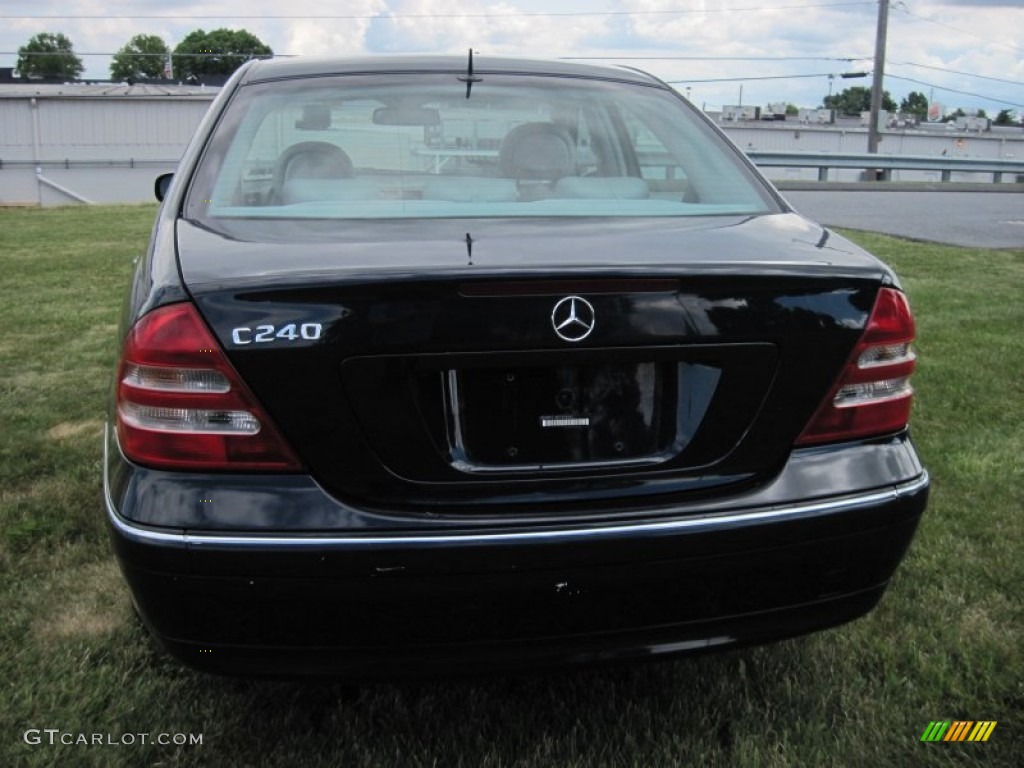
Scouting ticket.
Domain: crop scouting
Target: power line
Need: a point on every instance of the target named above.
(714, 58)
(954, 90)
(400, 16)
(958, 72)
(141, 53)
(902, 7)
(846, 59)
(745, 79)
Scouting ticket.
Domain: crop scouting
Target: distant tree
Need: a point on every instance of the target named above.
(49, 54)
(1005, 117)
(915, 104)
(142, 56)
(951, 116)
(218, 52)
(855, 100)
(792, 110)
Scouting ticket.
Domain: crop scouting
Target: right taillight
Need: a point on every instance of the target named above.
(182, 405)
(873, 394)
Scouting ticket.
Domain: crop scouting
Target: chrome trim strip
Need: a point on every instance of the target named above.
(713, 522)
(132, 532)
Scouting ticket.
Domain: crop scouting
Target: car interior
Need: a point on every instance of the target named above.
(372, 153)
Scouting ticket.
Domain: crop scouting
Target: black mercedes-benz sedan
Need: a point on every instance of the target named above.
(438, 365)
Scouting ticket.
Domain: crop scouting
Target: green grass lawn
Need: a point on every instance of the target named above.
(945, 643)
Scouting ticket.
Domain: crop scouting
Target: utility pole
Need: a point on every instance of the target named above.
(878, 78)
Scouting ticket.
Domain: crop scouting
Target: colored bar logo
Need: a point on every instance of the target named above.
(958, 730)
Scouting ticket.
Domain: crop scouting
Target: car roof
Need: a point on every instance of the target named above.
(310, 66)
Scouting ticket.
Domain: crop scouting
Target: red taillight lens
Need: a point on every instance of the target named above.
(873, 393)
(181, 405)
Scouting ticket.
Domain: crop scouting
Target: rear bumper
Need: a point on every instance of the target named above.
(378, 603)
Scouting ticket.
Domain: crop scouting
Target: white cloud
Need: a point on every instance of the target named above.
(448, 26)
(329, 37)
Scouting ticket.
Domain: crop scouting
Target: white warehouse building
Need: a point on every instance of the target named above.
(83, 143)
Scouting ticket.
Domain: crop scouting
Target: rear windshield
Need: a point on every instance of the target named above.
(419, 146)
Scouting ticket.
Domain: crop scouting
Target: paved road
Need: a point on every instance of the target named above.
(974, 219)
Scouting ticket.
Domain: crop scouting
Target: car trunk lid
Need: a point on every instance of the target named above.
(486, 367)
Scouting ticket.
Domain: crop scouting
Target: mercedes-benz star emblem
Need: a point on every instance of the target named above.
(573, 318)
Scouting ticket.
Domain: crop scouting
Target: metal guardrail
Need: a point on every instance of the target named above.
(68, 164)
(823, 161)
(886, 164)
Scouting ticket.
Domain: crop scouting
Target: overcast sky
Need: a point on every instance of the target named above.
(970, 52)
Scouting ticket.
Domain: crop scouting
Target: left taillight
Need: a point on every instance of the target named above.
(181, 405)
(873, 394)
